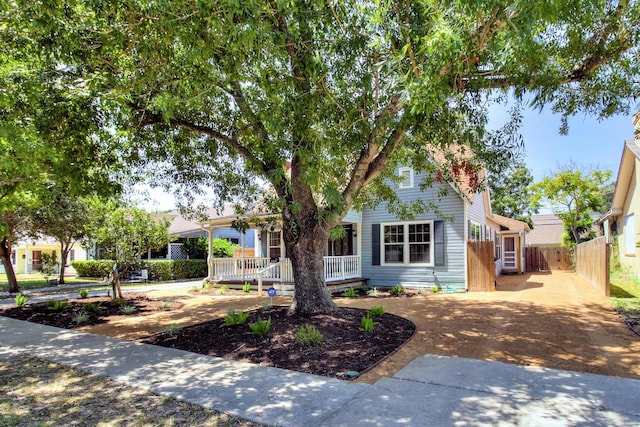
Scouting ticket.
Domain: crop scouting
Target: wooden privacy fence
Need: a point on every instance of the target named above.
(481, 268)
(545, 258)
(592, 263)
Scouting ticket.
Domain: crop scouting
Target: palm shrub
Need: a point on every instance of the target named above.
(234, 318)
(21, 300)
(308, 335)
(261, 327)
(367, 324)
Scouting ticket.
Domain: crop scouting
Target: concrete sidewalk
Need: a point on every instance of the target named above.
(431, 390)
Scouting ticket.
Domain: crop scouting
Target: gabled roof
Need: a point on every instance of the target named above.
(547, 230)
(510, 223)
(630, 153)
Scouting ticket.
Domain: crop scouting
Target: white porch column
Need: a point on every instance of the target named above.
(210, 263)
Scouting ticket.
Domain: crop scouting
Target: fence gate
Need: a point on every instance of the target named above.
(546, 258)
(481, 269)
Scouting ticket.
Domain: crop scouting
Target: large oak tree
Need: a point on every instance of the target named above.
(220, 93)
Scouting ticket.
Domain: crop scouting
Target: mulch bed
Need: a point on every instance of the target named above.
(344, 352)
(39, 313)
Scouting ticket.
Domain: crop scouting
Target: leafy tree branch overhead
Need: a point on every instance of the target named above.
(216, 94)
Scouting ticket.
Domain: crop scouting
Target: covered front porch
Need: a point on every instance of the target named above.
(267, 263)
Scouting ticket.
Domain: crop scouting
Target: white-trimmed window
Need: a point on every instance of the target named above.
(497, 246)
(407, 243)
(630, 235)
(406, 177)
(475, 232)
(274, 248)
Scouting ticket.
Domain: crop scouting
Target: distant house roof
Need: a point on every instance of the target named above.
(547, 231)
(510, 223)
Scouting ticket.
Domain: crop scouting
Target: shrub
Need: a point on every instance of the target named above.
(91, 307)
(261, 327)
(84, 293)
(21, 300)
(92, 268)
(396, 290)
(377, 310)
(56, 305)
(81, 318)
(172, 330)
(350, 293)
(265, 305)
(373, 292)
(166, 305)
(435, 289)
(118, 302)
(128, 309)
(234, 318)
(308, 335)
(246, 287)
(367, 324)
(223, 289)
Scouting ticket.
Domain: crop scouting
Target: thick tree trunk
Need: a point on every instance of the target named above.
(5, 255)
(311, 293)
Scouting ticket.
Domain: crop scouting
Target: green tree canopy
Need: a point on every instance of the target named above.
(219, 93)
(125, 234)
(511, 194)
(574, 196)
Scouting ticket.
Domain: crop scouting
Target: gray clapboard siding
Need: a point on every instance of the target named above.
(451, 275)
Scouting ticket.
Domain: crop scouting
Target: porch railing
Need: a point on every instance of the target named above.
(249, 268)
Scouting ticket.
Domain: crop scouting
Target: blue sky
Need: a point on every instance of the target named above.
(590, 144)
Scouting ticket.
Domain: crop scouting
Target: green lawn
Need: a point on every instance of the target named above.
(37, 280)
(625, 293)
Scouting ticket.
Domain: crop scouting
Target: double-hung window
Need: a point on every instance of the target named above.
(407, 243)
(406, 177)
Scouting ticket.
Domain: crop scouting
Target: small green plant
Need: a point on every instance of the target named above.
(81, 318)
(350, 293)
(396, 290)
(308, 335)
(91, 307)
(172, 330)
(265, 306)
(118, 302)
(84, 293)
(367, 324)
(234, 318)
(261, 327)
(376, 310)
(246, 287)
(166, 305)
(21, 300)
(223, 289)
(435, 289)
(128, 309)
(373, 292)
(204, 290)
(56, 305)
(195, 288)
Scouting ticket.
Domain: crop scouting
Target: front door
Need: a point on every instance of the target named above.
(510, 253)
(36, 263)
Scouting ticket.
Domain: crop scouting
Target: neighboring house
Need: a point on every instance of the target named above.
(621, 222)
(25, 255)
(183, 228)
(547, 231)
(425, 251)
